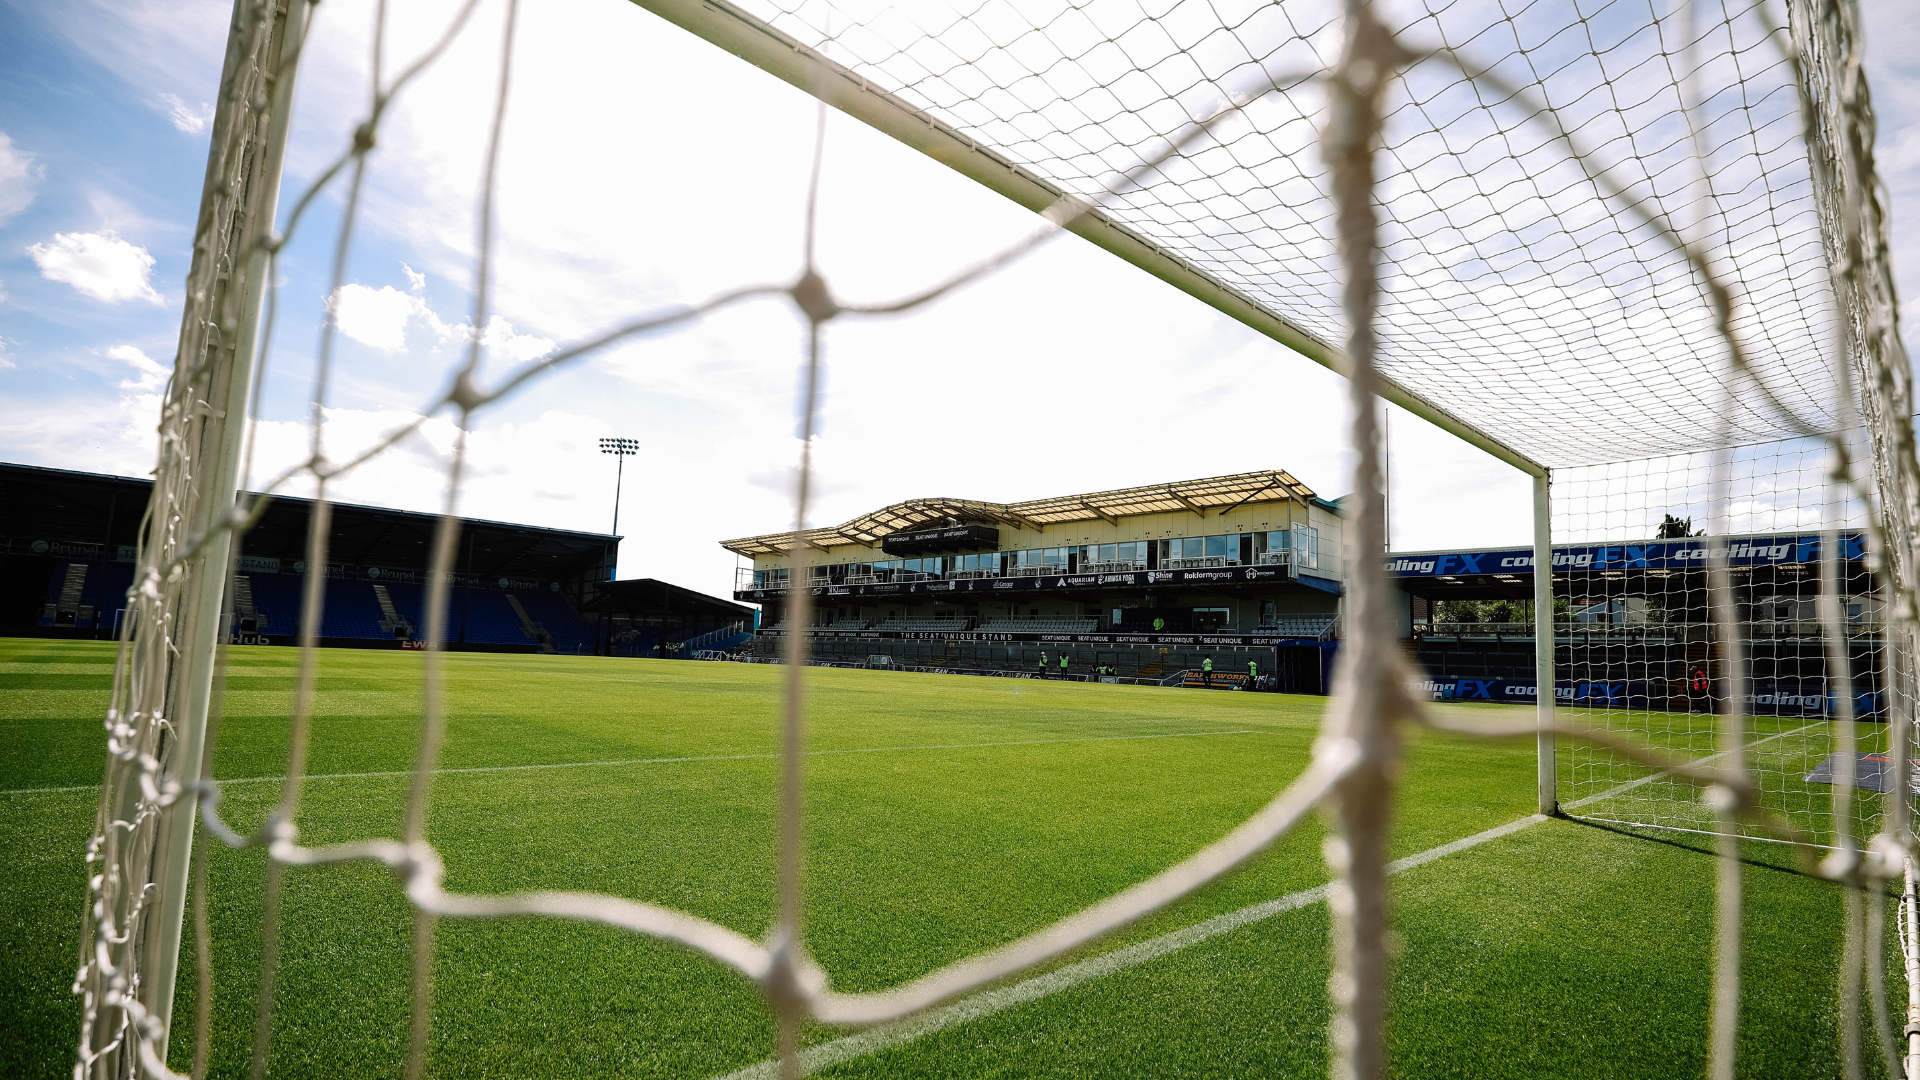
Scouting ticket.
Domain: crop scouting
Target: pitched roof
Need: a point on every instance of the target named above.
(1194, 496)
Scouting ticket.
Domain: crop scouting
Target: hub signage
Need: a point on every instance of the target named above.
(1766, 700)
(1658, 555)
(972, 537)
(1229, 575)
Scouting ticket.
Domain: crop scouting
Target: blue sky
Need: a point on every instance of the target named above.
(647, 168)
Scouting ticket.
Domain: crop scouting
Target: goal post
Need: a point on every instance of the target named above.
(177, 620)
(1545, 675)
(1481, 309)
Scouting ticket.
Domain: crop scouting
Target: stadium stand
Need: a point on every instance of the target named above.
(1313, 627)
(66, 563)
(924, 626)
(1039, 626)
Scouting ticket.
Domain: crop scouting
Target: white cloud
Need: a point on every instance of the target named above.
(149, 375)
(502, 341)
(18, 174)
(376, 317)
(192, 121)
(379, 318)
(101, 265)
(416, 280)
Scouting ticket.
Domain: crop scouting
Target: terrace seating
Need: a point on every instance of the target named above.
(566, 631)
(1315, 627)
(925, 626)
(1040, 626)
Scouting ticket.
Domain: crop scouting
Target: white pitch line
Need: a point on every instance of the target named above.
(1652, 776)
(671, 760)
(982, 1005)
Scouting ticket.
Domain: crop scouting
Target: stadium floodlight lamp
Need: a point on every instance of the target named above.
(621, 449)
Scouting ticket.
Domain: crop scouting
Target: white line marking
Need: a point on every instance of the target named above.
(982, 1005)
(670, 760)
(1651, 777)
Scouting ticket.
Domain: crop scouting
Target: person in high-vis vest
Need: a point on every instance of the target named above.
(1253, 674)
(1206, 669)
(1043, 665)
(1063, 665)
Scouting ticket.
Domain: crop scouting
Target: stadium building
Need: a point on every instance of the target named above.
(1141, 580)
(1633, 627)
(67, 544)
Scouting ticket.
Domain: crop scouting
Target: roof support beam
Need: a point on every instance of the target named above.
(1193, 506)
(774, 52)
(1270, 486)
(1104, 516)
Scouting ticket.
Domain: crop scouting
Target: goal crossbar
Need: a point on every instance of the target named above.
(778, 54)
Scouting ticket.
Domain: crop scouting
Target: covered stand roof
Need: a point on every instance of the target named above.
(1195, 496)
(662, 601)
(58, 504)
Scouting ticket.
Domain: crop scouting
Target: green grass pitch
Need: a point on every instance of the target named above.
(945, 815)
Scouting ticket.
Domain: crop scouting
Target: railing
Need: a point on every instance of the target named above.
(1036, 571)
(1201, 562)
(1273, 558)
(963, 575)
(1114, 566)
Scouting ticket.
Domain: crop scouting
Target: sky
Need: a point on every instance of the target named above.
(644, 168)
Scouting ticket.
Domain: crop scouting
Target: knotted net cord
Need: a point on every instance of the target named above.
(1526, 220)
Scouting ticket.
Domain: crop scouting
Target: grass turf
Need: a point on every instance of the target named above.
(945, 815)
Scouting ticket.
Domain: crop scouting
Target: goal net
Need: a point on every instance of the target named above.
(1635, 251)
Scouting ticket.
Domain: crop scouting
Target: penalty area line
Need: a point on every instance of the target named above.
(982, 1005)
(672, 760)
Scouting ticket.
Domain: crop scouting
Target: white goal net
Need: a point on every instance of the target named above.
(1636, 251)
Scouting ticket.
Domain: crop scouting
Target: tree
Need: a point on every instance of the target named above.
(1673, 528)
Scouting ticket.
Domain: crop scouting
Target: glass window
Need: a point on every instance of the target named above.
(1279, 540)
(1217, 547)
(1107, 553)
(1306, 547)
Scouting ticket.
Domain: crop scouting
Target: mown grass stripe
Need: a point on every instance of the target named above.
(669, 760)
(982, 1005)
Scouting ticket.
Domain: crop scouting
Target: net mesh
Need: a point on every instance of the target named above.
(1644, 246)
(1514, 284)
